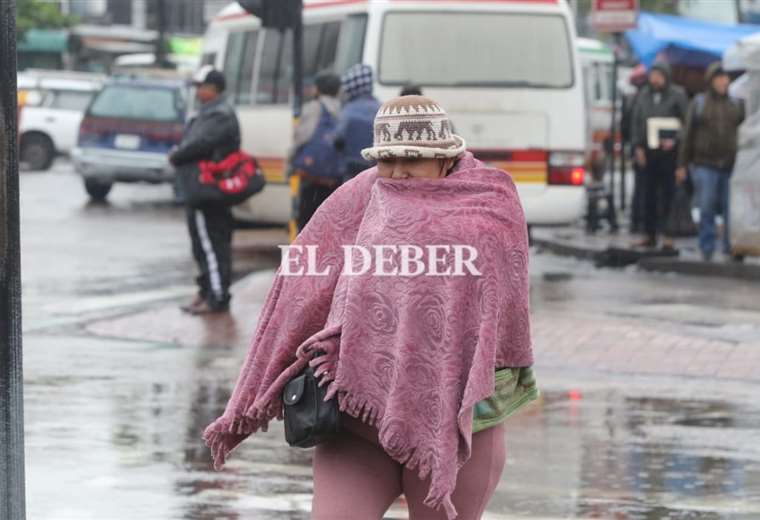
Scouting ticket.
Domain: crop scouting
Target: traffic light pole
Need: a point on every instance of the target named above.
(11, 389)
(295, 180)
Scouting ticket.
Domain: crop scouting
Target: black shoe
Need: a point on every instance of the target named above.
(707, 256)
(190, 307)
(208, 308)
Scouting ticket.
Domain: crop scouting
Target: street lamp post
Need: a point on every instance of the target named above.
(11, 389)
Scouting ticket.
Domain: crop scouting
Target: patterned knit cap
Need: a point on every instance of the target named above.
(357, 81)
(413, 127)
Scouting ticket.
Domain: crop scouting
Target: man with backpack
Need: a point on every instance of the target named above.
(708, 151)
(313, 156)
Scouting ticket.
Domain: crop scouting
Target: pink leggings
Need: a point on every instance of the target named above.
(354, 479)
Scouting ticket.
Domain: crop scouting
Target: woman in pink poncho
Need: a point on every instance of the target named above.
(427, 335)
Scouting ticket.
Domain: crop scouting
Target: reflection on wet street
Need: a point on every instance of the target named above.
(118, 436)
(116, 401)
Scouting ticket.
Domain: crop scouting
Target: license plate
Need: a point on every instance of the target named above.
(127, 142)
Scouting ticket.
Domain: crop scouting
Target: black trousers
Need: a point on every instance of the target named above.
(311, 196)
(637, 202)
(659, 179)
(211, 237)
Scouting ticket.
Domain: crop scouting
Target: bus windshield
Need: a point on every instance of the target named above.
(457, 49)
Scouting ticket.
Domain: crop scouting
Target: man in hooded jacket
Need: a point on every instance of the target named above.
(659, 100)
(708, 151)
(355, 125)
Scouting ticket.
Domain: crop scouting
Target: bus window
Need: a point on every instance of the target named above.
(208, 59)
(328, 46)
(275, 68)
(243, 94)
(524, 50)
(350, 45)
(320, 42)
(238, 66)
(232, 58)
(311, 36)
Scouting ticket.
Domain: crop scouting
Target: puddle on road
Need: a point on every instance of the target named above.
(124, 429)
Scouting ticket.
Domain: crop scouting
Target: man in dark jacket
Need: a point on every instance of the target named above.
(211, 135)
(659, 110)
(709, 150)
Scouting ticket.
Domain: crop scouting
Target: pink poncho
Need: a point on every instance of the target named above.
(410, 355)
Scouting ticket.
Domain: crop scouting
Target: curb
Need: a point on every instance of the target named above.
(654, 261)
(697, 268)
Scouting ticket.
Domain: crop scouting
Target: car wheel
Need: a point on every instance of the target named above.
(97, 190)
(37, 151)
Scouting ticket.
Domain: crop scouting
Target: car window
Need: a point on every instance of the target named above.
(69, 99)
(137, 102)
(523, 50)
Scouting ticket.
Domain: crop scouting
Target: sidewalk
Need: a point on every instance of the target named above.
(615, 250)
(574, 340)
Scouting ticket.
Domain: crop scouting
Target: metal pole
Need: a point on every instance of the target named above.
(613, 124)
(623, 165)
(297, 105)
(11, 381)
(161, 27)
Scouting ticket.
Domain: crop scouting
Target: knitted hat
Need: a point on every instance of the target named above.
(413, 127)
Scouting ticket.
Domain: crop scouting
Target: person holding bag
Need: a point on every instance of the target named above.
(422, 367)
(210, 137)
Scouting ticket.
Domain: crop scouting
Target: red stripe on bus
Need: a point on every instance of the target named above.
(510, 155)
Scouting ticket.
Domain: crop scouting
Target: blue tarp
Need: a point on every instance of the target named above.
(685, 41)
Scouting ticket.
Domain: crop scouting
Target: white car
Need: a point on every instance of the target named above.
(51, 107)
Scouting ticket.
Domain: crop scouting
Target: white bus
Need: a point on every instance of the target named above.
(507, 71)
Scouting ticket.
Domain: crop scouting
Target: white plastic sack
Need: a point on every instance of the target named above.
(745, 190)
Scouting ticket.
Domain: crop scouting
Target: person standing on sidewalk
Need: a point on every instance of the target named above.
(659, 110)
(313, 144)
(354, 131)
(212, 135)
(708, 152)
(637, 80)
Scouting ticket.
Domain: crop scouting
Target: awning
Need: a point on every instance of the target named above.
(684, 41)
(44, 40)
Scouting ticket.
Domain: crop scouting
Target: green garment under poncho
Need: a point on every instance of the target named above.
(514, 388)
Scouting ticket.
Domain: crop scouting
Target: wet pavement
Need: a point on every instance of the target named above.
(650, 382)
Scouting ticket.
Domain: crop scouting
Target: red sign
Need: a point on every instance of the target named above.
(614, 15)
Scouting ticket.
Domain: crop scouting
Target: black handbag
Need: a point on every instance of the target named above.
(309, 420)
(679, 222)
